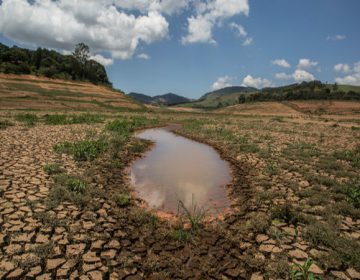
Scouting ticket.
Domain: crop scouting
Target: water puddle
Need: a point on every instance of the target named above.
(180, 169)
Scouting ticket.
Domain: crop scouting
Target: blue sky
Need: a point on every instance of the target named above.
(158, 52)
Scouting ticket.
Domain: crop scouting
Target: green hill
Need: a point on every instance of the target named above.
(51, 64)
(167, 99)
(222, 97)
(314, 90)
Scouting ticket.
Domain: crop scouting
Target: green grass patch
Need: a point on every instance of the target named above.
(301, 150)
(86, 150)
(128, 125)
(72, 189)
(53, 168)
(27, 119)
(122, 199)
(345, 251)
(351, 156)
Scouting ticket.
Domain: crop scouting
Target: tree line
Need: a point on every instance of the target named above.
(314, 90)
(49, 63)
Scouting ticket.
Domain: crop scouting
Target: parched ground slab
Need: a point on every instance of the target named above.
(103, 241)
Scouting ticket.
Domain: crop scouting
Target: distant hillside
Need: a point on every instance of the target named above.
(314, 90)
(51, 64)
(41, 93)
(222, 97)
(167, 99)
(227, 91)
(304, 91)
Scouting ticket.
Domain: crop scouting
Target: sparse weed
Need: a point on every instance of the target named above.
(286, 213)
(57, 119)
(53, 168)
(194, 215)
(122, 199)
(27, 119)
(85, 150)
(258, 222)
(302, 272)
(181, 235)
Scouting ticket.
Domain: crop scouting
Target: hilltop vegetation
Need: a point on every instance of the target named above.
(305, 91)
(51, 64)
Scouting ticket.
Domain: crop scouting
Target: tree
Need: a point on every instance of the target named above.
(81, 53)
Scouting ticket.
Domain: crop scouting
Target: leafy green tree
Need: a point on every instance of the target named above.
(81, 53)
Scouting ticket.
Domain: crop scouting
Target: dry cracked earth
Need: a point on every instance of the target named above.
(70, 242)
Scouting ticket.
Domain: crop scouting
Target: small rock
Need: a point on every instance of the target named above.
(15, 274)
(110, 254)
(54, 263)
(353, 273)
(34, 271)
(298, 254)
(315, 269)
(261, 238)
(340, 275)
(95, 275)
(90, 257)
(75, 250)
(257, 276)
(266, 248)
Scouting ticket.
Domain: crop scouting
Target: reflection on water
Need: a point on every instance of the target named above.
(180, 169)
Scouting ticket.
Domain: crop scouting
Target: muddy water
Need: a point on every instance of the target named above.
(180, 169)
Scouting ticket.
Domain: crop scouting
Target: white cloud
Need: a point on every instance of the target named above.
(337, 37)
(283, 76)
(302, 76)
(209, 14)
(63, 23)
(281, 63)
(305, 64)
(162, 6)
(222, 82)
(102, 60)
(199, 30)
(248, 41)
(345, 68)
(143, 56)
(240, 30)
(249, 81)
(352, 79)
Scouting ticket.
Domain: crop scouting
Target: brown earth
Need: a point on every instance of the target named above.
(32, 92)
